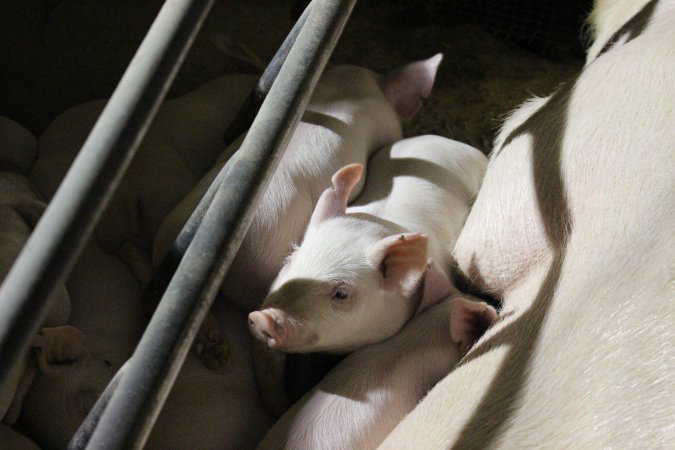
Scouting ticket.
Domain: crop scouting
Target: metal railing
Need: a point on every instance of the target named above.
(67, 224)
(126, 412)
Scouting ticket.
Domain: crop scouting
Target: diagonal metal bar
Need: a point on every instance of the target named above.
(166, 268)
(81, 437)
(68, 222)
(142, 391)
(245, 116)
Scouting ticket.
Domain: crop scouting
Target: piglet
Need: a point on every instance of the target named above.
(181, 144)
(362, 272)
(74, 365)
(353, 112)
(20, 210)
(363, 398)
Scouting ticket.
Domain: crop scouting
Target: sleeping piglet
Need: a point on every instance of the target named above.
(363, 398)
(362, 272)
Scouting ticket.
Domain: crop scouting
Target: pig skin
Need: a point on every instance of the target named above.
(573, 228)
(361, 400)
(351, 115)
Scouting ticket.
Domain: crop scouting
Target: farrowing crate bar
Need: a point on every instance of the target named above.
(149, 374)
(166, 268)
(58, 239)
(141, 387)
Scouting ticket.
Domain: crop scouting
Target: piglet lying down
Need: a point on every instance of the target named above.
(373, 389)
(362, 272)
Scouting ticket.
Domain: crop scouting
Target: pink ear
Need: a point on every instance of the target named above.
(59, 345)
(333, 201)
(469, 320)
(402, 259)
(406, 87)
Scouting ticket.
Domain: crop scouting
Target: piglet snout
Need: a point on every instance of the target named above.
(266, 329)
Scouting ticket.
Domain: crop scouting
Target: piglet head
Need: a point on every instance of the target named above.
(354, 280)
(69, 380)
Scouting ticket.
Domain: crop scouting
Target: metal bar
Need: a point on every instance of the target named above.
(135, 405)
(252, 104)
(81, 438)
(68, 222)
(167, 267)
(240, 124)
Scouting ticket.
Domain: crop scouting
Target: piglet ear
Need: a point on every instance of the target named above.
(406, 87)
(402, 260)
(333, 201)
(59, 346)
(468, 321)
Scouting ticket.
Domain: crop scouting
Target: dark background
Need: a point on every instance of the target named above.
(58, 53)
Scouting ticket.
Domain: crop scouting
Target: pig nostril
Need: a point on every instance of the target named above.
(251, 322)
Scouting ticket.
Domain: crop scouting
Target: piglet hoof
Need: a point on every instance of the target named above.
(211, 345)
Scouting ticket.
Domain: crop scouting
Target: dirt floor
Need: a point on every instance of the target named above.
(58, 53)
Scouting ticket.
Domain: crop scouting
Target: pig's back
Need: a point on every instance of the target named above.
(363, 398)
(583, 357)
(426, 184)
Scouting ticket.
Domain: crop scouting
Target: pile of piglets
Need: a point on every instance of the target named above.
(351, 252)
(393, 246)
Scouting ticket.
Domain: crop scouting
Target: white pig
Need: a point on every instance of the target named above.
(363, 398)
(20, 209)
(352, 113)
(181, 144)
(183, 141)
(109, 316)
(573, 228)
(107, 310)
(357, 277)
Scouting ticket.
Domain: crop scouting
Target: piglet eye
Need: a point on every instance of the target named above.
(341, 293)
